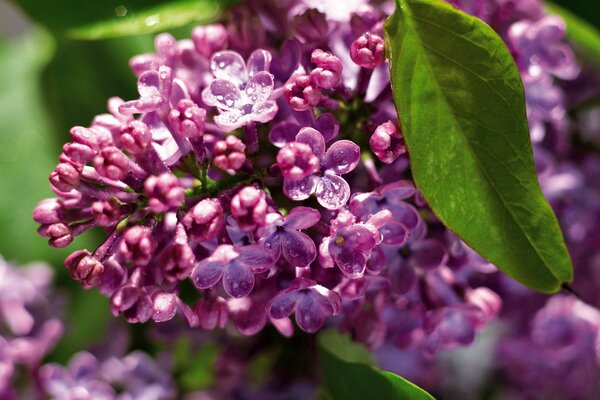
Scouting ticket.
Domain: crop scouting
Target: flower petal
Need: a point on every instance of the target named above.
(394, 233)
(259, 60)
(314, 139)
(351, 262)
(300, 190)
(238, 280)
(342, 157)
(222, 94)
(258, 258)
(282, 305)
(283, 133)
(298, 249)
(229, 65)
(230, 120)
(328, 125)
(207, 273)
(264, 112)
(332, 191)
(309, 314)
(259, 87)
(360, 237)
(301, 218)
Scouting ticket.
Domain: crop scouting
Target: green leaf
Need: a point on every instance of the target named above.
(461, 105)
(99, 19)
(584, 35)
(349, 375)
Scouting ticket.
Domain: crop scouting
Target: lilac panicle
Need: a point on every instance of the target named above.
(209, 175)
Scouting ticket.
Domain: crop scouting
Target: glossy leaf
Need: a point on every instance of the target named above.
(95, 19)
(583, 34)
(462, 109)
(349, 375)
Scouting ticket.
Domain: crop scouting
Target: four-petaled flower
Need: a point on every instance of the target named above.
(331, 189)
(235, 266)
(241, 91)
(312, 303)
(282, 235)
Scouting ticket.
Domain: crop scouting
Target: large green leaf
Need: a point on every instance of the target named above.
(349, 375)
(99, 19)
(585, 35)
(462, 109)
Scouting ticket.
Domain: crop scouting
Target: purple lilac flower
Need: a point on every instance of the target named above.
(236, 267)
(181, 196)
(310, 302)
(282, 235)
(241, 91)
(331, 189)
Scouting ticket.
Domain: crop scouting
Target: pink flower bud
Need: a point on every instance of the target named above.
(112, 163)
(135, 137)
(368, 50)
(229, 154)
(296, 161)
(209, 39)
(301, 93)
(249, 207)
(188, 119)
(137, 245)
(387, 142)
(164, 192)
(205, 220)
(329, 69)
(65, 177)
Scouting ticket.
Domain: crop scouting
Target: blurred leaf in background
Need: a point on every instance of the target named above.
(93, 19)
(583, 25)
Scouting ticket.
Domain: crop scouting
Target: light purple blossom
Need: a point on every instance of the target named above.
(241, 91)
(282, 235)
(331, 189)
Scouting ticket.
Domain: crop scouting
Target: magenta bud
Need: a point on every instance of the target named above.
(387, 142)
(48, 211)
(164, 192)
(209, 39)
(112, 163)
(106, 212)
(329, 69)
(296, 161)
(65, 177)
(229, 154)
(301, 93)
(85, 268)
(368, 50)
(135, 137)
(188, 119)
(78, 153)
(249, 207)
(58, 234)
(205, 220)
(137, 245)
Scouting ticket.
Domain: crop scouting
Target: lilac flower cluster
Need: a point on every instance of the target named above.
(30, 329)
(264, 162)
